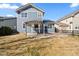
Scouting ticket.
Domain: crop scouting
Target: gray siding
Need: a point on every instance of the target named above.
(21, 20)
(51, 30)
(9, 23)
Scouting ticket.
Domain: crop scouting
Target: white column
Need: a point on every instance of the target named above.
(43, 28)
(39, 28)
(26, 28)
(32, 28)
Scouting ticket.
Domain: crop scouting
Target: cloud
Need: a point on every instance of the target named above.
(74, 5)
(8, 6)
(9, 15)
(38, 1)
(23, 2)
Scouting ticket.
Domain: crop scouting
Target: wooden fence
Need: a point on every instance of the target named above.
(75, 32)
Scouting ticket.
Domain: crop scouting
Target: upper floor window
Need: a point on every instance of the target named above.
(70, 22)
(32, 14)
(39, 14)
(24, 14)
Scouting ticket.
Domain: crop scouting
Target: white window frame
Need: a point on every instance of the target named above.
(23, 14)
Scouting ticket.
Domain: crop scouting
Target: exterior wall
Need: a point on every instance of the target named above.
(9, 23)
(68, 21)
(29, 18)
(51, 30)
(21, 20)
(76, 22)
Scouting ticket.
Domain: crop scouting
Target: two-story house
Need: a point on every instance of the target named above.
(30, 20)
(70, 22)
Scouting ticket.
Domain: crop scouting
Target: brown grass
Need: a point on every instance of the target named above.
(54, 46)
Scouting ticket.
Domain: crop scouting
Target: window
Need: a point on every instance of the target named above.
(32, 14)
(39, 14)
(70, 22)
(23, 25)
(75, 27)
(49, 26)
(24, 15)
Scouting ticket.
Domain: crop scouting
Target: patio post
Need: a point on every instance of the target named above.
(32, 28)
(43, 28)
(39, 28)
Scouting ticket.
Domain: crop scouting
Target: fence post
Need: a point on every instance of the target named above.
(72, 32)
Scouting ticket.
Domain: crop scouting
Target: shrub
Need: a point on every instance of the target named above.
(5, 31)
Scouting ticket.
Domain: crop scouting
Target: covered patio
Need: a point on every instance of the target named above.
(39, 27)
(35, 27)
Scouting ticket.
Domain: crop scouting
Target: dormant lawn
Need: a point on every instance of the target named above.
(56, 45)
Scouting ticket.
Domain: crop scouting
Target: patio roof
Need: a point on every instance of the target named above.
(42, 22)
(62, 24)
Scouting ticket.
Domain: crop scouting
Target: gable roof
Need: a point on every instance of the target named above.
(69, 15)
(27, 6)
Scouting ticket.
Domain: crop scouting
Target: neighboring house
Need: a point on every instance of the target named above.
(70, 22)
(9, 22)
(30, 20)
(60, 27)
